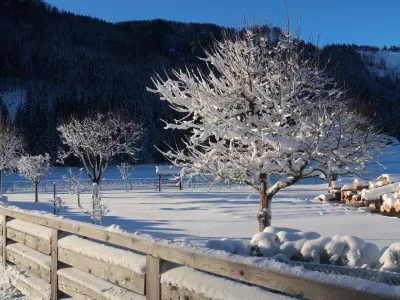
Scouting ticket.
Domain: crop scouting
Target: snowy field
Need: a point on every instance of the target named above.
(202, 215)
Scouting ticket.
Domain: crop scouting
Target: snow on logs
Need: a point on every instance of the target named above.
(389, 178)
(377, 193)
(380, 195)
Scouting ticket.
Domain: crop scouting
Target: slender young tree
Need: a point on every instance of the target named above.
(125, 171)
(263, 110)
(35, 169)
(75, 184)
(11, 147)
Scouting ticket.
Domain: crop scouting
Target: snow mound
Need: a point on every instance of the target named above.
(324, 197)
(341, 250)
(235, 246)
(390, 259)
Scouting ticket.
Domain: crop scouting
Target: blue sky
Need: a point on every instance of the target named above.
(369, 22)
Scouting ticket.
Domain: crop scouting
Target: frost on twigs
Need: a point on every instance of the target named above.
(97, 139)
(35, 169)
(11, 147)
(75, 184)
(125, 171)
(263, 110)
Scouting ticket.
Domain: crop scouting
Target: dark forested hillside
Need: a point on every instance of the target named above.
(64, 65)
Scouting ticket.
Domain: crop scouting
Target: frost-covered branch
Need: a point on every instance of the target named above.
(35, 169)
(11, 148)
(96, 140)
(75, 184)
(266, 109)
(125, 171)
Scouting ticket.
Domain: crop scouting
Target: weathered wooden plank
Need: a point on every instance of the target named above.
(29, 265)
(4, 240)
(29, 289)
(303, 287)
(77, 291)
(115, 274)
(170, 292)
(83, 229)
(54, 264)
(31, 241)
(153, 270)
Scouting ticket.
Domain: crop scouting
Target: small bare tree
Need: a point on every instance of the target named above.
(125, 170)
(11, 147)
(35, 169)
(75, 184)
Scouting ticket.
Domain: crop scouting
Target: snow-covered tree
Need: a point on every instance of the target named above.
(35, 169)
(11, 147)
(263, 110)
(125, 170)
(96, 140)
(75, 184)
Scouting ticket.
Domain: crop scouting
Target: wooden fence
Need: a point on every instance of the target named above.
(64, 271)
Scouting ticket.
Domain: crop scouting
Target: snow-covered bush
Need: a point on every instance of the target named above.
(35, 169)
(292, 244)
(263, 109)
(390, 259)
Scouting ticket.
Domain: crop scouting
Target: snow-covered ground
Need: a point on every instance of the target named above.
(202, 215)
(382, 62)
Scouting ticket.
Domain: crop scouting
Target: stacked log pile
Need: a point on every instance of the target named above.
(381, 195)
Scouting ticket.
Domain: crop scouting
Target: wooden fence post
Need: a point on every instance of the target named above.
(54, 264)
(153, 271)
(54, 198)
(4, 242)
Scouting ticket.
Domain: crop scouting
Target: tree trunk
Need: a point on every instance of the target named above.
(95, 196)
(1, 182)
(78, 195)
(264, 215)
(332, 177)
(36, 184)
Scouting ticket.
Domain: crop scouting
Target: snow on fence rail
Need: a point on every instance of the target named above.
(58, 261)
(168, 183)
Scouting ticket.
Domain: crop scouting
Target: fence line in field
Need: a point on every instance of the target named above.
(132, 184)
(47, 261)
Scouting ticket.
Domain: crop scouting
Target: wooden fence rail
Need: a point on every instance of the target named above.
(68, 268)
